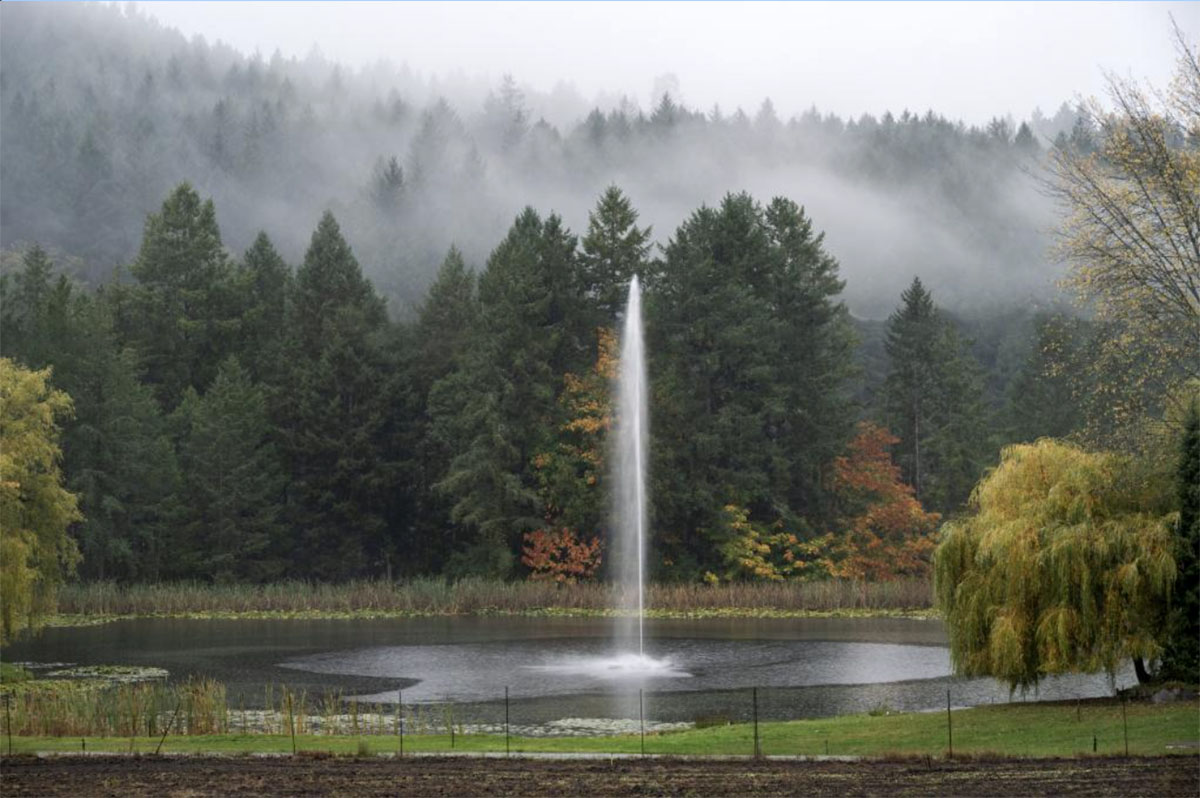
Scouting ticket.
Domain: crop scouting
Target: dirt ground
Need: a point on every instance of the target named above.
(192, 777)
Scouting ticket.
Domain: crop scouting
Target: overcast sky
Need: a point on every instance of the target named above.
(966, 60)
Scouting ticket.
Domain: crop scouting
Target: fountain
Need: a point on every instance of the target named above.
(628, 452)
(629, 475)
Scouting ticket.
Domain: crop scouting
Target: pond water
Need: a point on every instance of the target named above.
(558, 668)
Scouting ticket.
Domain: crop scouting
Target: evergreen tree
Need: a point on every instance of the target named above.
(264, 280)
(530, 334)
(614, 250)
(116, 456)
(1041, 400)
(1181, 659)
(331, 411)
(751, 357)
(182, 316)
(438, 386)
(817, 345)
(933, 402)
(232, 478)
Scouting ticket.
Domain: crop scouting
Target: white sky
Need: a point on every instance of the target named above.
(969, 61)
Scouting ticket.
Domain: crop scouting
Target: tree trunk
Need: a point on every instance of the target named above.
(1139, 667)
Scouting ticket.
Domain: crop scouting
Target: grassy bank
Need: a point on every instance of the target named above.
(1033, 730)
(473, 596)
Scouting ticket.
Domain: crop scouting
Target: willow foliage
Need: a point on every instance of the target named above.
(36, 553)
(1067, 564)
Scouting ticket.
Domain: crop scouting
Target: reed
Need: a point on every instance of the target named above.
(67, 708)
(427, 596)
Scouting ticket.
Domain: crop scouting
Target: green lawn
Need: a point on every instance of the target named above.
(1013, 730)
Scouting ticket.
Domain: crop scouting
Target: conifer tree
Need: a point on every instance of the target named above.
(331, 413)
(750, 349)
(1181, 658)
(116, 456)
(232, 479)
(438, 385)
(530, 334)
(933, 402)
(264, 280)
(182, 315)
(614, 250)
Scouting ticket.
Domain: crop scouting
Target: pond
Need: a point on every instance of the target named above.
(715, 668)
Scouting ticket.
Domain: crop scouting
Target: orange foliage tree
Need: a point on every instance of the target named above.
(560, 556)
(570, 474)
(887, 534)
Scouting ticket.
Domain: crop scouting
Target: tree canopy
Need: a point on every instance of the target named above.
(36, 553)
(1066, 563)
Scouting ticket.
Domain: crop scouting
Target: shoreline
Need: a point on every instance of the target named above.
(68, 620)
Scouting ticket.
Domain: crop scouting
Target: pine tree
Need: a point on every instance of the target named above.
(182, 316)
(933, 402)
(530, 334)
(438, 386)
(264, 280)
(231, 528)
(614, 250)
(751, 357)
(817, 345)
(116, 456)
(331, 412)
(1181, 659)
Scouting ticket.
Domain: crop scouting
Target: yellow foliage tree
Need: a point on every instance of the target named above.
(36, 553)
(1132, 238)
(1066, 564)
(752, 552)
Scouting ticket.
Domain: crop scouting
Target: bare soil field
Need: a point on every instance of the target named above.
(195, 776)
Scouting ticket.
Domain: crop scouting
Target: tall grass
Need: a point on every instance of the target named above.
(62, 709)
(473, 596)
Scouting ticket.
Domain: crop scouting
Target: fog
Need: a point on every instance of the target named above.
(105, 108)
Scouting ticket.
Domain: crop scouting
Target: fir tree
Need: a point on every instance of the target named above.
(933, 402)
(530, 334)
(233, 482)
(614, 250)
(182, 315)
(331, 413)
(264, 280)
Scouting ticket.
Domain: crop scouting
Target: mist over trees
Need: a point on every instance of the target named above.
(98, 132)
(406, 369)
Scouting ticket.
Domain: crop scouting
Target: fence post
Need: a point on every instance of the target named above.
(507, 751)
(8, 719)
(949, 726)
(291, 720)
(754, 701)
(400, 719)
(642, 719)
(1125, 725)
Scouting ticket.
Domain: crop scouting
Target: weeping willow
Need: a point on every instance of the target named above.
(1065, 564)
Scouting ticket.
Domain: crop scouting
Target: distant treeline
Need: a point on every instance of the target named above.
(236, 419)
(104, 111)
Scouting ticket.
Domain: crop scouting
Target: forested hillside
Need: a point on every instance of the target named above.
(326, 324)
(105, 111)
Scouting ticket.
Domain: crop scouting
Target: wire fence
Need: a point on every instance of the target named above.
(739, 722)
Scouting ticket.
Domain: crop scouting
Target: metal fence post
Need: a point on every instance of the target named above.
(949, 725)
(754, 700)
(507, 752)
(1125, 725)
(642, 719)
(400, 719)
